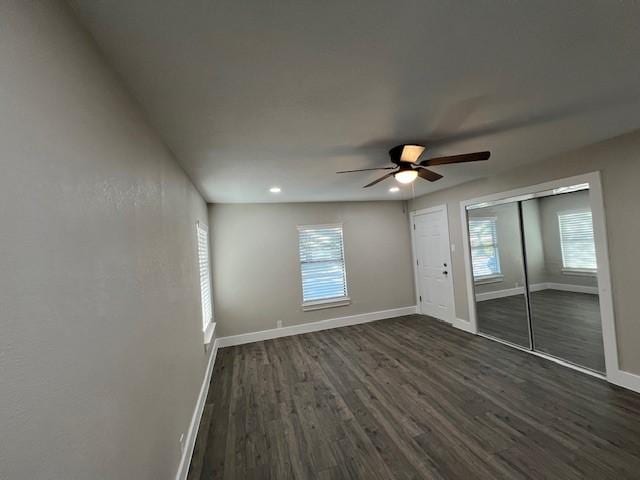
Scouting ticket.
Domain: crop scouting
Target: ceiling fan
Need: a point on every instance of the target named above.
(408, 168)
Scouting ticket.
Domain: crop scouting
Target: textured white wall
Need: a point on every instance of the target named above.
(101, 354)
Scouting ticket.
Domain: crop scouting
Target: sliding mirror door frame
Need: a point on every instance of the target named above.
(602, 255)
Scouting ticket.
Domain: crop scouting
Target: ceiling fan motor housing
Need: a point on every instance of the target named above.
(406, 153)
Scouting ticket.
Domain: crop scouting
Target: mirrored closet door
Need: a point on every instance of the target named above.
(498, 272)
(535, 274)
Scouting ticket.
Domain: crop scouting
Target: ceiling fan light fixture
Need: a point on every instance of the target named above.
(411, 153)
(406, 176)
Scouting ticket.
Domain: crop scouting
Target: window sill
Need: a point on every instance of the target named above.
(208, 332)
(489, 279)
(581, 272)
(328, 303)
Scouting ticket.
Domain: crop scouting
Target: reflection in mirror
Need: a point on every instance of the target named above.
(498, 272)
(562, 269)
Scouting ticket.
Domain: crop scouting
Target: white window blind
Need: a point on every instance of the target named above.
(484, 247)
(205, 277)
(577, 241)
(322, 262)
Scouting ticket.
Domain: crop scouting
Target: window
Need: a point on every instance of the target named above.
(577, 242)
(484, 247)
(322, 264)
(208, 325)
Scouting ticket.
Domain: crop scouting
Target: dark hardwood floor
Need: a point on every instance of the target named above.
(565, 324)
(409, 397)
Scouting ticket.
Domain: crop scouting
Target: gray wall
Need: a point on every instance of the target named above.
(256, 275)
(534, 241)
(101, 355)
(549, 209)
(618, 160)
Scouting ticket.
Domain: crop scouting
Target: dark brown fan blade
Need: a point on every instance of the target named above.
(384, 177)
(367, 169)
(428, 174)
(465, 157)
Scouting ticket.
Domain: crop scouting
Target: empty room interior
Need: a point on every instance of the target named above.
(319, 240)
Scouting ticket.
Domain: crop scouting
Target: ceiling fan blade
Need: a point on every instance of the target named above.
(465, 157)
(367, 169)
(384, 177)
(428, 174)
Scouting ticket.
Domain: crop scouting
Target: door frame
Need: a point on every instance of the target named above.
(416, 277)
(596, 202)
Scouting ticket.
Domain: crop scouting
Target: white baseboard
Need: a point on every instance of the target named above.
(536, 287)
(463, 325)
(507, 292)
(314, 326)
(572, 288)
(190, 440)
(624, 379)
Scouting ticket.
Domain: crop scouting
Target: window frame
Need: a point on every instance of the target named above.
(568, 270)
(208, 326)
(492, 277)
(318, 304)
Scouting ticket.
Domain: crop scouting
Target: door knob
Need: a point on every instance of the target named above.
(445, 273)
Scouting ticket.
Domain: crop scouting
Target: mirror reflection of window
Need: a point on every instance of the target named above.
(483, 237)
(577, 242)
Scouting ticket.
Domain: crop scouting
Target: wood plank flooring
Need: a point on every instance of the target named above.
(565, 324)
(409, 398)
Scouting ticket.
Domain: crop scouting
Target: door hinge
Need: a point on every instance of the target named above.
(414, 226)
(417, 262)
(421, 298)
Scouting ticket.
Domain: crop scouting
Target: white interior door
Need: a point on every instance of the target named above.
(433, 263)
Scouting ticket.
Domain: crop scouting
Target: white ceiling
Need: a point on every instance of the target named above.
(251, 94)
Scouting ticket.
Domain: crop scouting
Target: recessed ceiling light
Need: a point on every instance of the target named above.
(275, 189)
(394, 189)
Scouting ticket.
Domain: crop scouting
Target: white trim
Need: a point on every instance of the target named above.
(314, 326)
(485, 279)
(506, 292)
(626, 380)
(579, 272)
(604, 275)
(423, 211)
(569, 288)
(326, 303)
(416, 278)
(414, 257)
(463, 325)
(323, 225)
(536, 287)
(190, 440)
(208, 333)
(602, 256)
